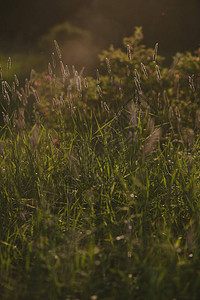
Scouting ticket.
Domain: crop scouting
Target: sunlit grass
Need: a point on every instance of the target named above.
(100, 193)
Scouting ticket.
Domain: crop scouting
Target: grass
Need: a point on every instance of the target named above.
(98, 204)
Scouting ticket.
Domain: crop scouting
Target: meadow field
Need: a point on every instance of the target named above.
(100, 177)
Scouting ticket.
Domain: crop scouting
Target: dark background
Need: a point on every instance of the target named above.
(173, 23)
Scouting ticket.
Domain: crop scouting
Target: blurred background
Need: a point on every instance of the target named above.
(83, 28)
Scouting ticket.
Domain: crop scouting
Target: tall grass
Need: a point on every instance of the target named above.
(99, 197)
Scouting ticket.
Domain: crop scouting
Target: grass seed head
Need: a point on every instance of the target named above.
(137, 84)
(144, 70)
(53, 60)
(158, 73)
(137, 75)
(155, 52)
(9, 63)
(108, 65)
(129, 52)
(16, 80)
(50, 69)
(58, 49)
(99, 90)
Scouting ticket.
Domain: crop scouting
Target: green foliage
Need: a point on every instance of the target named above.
(99, 181)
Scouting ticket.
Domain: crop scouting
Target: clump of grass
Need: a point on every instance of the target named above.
(99, 182)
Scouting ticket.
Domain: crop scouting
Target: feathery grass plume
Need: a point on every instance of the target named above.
(1, 73)
(9, 63)
(50, 69)
(106, 107)
(8, 86)
(58, 49)
(158, 73)
(108, 65)
(128, 72)
(152, 141)
(128, 51)
(136, 98)
(7, 97)
(191, 82)
(16, 80)
(53, 60)
(35, 94)
(99, 90)
(137, 75)
(177, 112)
(24, 97)
(155, 52)
(76, 74)
(144, 70)
(166, 99)
(69, 97)
(63, 71)
(19, 95)
(34, 137)
(5, 93)
(85, 83)
(79, 87)
(98, 76)
(6, 118)
(67, 71)
(69, 88)
(3, 85)
(27, 88)
(137, 84)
